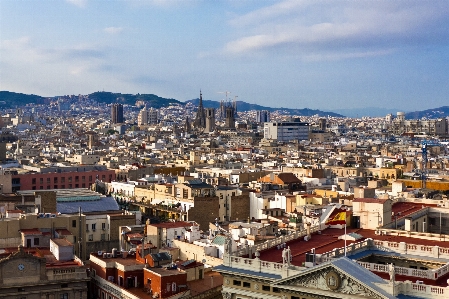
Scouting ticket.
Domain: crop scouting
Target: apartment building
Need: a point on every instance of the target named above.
(286, 131)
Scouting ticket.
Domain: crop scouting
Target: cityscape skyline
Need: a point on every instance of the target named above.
(304, 54)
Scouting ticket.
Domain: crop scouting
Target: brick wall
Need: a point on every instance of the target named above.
(204, 211)
(240, 207)
(48, 201)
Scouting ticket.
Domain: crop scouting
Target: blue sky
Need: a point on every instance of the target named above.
(296, 54)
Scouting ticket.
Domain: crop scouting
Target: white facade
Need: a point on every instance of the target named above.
(286, 131)
(147, 117)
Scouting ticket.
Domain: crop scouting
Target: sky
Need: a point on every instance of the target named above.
(315, 54)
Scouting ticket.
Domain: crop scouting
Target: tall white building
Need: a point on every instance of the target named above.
(147, 117)
(286, 131)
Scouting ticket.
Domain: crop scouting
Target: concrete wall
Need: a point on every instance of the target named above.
(189, 251)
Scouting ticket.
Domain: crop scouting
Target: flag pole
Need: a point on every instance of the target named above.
(345, 233)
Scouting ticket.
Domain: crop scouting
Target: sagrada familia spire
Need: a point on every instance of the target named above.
(200, 119)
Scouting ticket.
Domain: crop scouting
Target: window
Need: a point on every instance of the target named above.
(94, 226)
(33, 181)
(246, 284)
(276, 290)
(236, 282)
(48, 180)
(36, 241)
(265, 288)
(103, 237)
(103, 226)
(91, 237)
(55, 180)
(41, 180)
(64, 296)
(62, 180)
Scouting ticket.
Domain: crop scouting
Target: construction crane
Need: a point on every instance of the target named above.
(226, 93)
(424, 145)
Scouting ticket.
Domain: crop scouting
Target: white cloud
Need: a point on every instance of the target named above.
(308, 27)
(79, 3)
(113, 30)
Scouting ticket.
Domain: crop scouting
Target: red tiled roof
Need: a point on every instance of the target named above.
(31, 231)
(172, 224)
(328, 240)
(402, 209)
(63, 232)
(370, 200)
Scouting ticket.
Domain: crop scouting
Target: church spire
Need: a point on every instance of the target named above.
(200, 119)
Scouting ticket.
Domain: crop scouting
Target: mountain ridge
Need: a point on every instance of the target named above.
(13, 99)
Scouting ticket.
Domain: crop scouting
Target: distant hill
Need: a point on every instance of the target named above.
(150, 99)
(429, 113)
(369, 112)
(13, 99)
(244, 106)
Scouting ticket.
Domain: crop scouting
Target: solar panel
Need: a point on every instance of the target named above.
(186, 263)
(103, 204)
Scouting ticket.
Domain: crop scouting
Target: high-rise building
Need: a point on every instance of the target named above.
(147, 117)
(117, 113)
(262, 116)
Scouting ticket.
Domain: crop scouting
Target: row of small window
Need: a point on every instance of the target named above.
(93, 225)
(248, 285)
(69, 179)
(264, 287)
(102, 237)
(70, 186)
(61, 296)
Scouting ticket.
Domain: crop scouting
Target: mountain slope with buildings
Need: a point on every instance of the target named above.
(429, 113)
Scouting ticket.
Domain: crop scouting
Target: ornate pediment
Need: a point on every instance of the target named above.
(330, 278)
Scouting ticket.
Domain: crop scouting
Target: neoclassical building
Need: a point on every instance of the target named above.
(24, 275)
